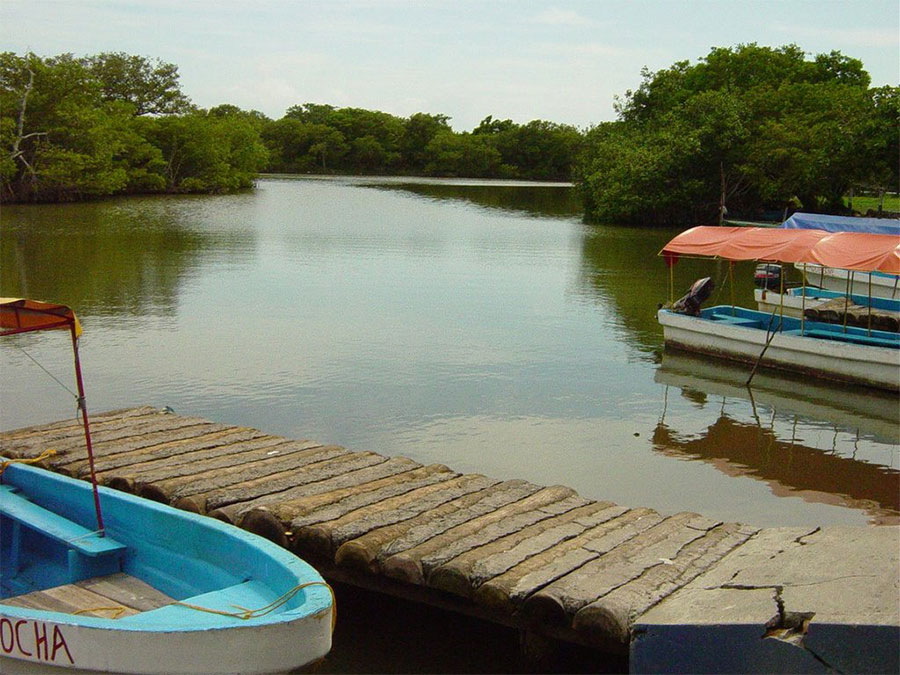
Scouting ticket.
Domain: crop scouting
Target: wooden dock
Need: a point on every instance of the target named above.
(542, 559)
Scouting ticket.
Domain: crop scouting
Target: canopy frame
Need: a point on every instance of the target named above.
(19, 316)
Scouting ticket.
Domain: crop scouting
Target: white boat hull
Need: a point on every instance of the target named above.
(34, 645)
(882, 285)
(830, 359)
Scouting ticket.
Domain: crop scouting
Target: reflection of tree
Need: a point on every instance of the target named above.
(740, 449)
(621, 268)
(126, 257)
(537, 200)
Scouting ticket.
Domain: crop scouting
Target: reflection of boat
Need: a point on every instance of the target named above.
(872, 413)
(746, 449)
(846, 353)
(139, 587)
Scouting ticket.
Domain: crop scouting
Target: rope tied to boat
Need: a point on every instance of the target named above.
(46, 454)
(116, 611)
(245, 614)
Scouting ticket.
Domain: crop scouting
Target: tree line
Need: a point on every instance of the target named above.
(745, 130)
(79, 128)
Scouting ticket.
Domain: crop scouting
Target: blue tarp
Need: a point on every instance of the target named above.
(815, 221)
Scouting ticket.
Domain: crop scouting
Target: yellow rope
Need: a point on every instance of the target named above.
(118, 611)
(246, 614)
(34, 460)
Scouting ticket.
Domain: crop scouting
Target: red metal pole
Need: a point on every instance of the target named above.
(87, 429)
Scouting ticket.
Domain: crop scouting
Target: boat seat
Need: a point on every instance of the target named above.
(88, 553)
(871, 340)
(737, 320)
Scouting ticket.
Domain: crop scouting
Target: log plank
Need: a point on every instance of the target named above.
(467, 571)
(558, 602)
(217, 454)
(302, 499)
(507, 591)
(258, 481)
(612, 615)
(170, 489)
(324, 538)
(185, 451)
(414, 564)
(370, 549)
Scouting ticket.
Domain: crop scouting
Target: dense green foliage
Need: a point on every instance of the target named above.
(76, 128)
(112, 123)
(752, 128)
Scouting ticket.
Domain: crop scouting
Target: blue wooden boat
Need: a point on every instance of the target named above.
(162, 591)
(97, 580)
(853, 354)
(825, 350)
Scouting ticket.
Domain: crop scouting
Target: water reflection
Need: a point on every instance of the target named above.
(621, 269)
(825, 444)
(483, 326)
(120, 258)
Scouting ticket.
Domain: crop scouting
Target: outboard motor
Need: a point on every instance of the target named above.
(700, 290)
(767, 276)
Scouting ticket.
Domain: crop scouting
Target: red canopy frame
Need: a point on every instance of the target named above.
(27, 316)
(857, 251)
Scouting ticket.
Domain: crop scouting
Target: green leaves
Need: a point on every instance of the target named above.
(757, 127)
(82, 128)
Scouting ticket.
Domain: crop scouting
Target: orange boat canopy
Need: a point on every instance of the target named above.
(18, 315)
(860, 251)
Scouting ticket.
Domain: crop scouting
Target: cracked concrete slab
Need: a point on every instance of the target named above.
(787, 600)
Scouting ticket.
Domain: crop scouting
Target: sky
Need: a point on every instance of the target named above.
(564, 61)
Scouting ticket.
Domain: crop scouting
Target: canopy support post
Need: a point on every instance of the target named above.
(869, 330)
(671, 283)
(82, 405)
(803, 301)
(847, 297)
(781, 296)
(731, 283)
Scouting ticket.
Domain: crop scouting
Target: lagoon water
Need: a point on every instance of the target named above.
(477, 324)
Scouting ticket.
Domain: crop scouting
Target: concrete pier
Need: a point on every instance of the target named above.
(678, 593)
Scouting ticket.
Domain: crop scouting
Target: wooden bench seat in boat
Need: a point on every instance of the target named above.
(89, 554)
(737, 320)
(856, 338)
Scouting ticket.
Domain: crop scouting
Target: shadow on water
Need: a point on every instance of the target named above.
(554, 201)
(381, 634)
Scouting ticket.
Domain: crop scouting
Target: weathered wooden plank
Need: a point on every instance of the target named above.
(202, 483)
(324, 538)
(76, 462)
(413, 564)
(430, 475)
(106, 438)
(72, 426)
(70, 599)
(127, 590)
(368, 550)
(271, 517)
(268, 483)
(287, 505)
(612, 615)
(189, 450)
(557, 602)
(215, 453)
(507, 591)
(467, 571)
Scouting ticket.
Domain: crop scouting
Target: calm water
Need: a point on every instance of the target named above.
(480, 325)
